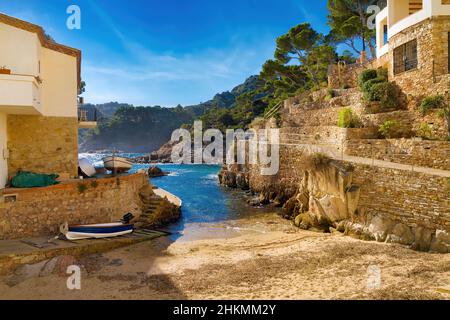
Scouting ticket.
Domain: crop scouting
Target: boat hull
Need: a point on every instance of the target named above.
(117, 164)
(86, 167)
(98, 231)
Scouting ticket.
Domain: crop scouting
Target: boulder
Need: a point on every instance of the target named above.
(333, 208)
(380, 227)
(422, 239)
(242, 181)
(253, 202)
(316, 209)
(264, 198)
(305, 221)
(49, 267)
(441, 242)
(291, 208)
(228, 179)
(401, 234)
(154, 172)
(62, 263)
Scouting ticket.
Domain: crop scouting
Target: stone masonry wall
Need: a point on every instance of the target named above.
(43, 145)
(415, 199)
(433, 154)
(328, 135)
(40, 211)
(432, 75)
(347, 76)
(380, 204)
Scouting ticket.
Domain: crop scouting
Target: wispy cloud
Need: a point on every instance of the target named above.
(216, 69)
(157, 78)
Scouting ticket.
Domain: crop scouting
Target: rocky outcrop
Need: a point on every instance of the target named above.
(233, 178)
(154, 172)
(164, 153)
(325, 197)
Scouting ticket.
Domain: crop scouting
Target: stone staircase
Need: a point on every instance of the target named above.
(156, 210)
(151, 206)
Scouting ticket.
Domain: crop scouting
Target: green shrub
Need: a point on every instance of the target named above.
(384, 92)
(82, 188)
(383, 74)
(376, 88)
(365, 76)
(369, 94)
(443, 113)
(432, 102)
(389, 129)
(330, 94)
(425, 131)
(347, 119)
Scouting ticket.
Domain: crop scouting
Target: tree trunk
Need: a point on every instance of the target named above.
(373, 51)
(363, 21)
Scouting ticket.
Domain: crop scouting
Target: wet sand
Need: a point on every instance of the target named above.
(257, 258)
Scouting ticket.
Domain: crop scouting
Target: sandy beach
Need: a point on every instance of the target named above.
(257, 258)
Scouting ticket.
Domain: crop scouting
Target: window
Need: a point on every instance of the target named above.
(405, 57)
(385, 35)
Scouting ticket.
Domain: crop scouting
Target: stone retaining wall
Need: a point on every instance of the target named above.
(330, 135)
(347, 76)
(415, 199)
(40, 211)
(433, 154)
(368, 202)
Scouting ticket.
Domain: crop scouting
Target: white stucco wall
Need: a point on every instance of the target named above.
(59, 84)
(19, 50)
(22, 52)
(399, 18)
(3, 162)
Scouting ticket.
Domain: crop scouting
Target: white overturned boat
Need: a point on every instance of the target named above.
(86, 167)
(96, 231)
(117, 164)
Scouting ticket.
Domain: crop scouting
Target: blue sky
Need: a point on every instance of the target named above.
(169, 52)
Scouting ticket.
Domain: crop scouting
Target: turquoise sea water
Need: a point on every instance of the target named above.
(205, 202)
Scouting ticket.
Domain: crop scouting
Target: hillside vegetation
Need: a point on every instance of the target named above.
(300, 63)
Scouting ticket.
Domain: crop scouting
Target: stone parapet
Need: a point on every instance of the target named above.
(432, 154)
(40, 211)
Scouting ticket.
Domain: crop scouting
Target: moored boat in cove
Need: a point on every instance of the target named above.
(117, 164)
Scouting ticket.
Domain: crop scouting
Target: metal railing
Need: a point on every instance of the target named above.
(87, 114)
(274, 110)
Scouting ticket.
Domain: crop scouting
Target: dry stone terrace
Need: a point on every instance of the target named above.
(352, 180)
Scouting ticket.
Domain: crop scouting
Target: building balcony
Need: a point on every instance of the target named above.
(406, 13)
(20, 94)
(87, 118)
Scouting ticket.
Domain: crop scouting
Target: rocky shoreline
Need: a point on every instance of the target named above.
(317, 205)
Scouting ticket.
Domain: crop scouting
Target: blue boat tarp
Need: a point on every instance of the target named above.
(25, 179)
